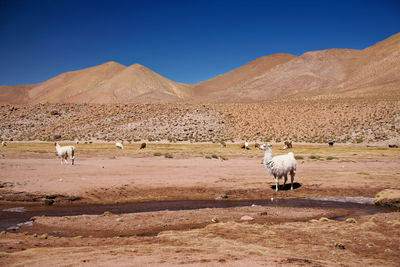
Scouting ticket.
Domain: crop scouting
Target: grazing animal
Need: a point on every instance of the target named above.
(331, 143)
(288, 145)
(393, 146)
(246, 145)
(3, 143)
(64, 152)
(256, 145)
(119, 145)
(262, 147)
(280, 166)
(143, 146)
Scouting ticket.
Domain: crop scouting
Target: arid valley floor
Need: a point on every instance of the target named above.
(187, 200)
(290, 235)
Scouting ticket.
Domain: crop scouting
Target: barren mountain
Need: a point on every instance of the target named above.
(332, 72)
(107, 83)
(329, 73)
(235, 78)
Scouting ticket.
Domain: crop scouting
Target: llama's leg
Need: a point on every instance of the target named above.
(276, 183)
(284, 180)
(72, 157)
(66, 159)
(292, 173)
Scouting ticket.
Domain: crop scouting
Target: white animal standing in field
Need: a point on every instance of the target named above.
(280, 166)
(3, 143)
(119, 145)
(64, 152)
(246, 145)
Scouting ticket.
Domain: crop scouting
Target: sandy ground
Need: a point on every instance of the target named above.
(290, 236)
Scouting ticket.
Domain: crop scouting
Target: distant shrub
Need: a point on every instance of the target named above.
(208, 157)
(314, 157)
(298, 157)
(330, 158)
(137, 139)
(214, 156)
(168, 156)
(359, 140)
(223, 158)
(157, 154)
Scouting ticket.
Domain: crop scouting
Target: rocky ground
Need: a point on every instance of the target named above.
(32, 177)
(364, 120)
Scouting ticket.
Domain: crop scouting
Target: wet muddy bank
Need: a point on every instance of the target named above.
(20, 218)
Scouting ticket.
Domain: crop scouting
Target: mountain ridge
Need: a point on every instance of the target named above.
(339, 72)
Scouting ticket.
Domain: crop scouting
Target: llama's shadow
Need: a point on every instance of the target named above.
(287, 186)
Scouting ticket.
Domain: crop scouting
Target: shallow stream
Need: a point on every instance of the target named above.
(11, 217)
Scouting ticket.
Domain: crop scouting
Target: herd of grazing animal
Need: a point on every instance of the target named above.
(279, 166)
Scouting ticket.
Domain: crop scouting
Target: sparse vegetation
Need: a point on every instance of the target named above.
(168, 155)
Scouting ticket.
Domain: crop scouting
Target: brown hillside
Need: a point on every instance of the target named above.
(237, 76)
(67, 85)
(329, 73)
(15, 94)
(134, 82)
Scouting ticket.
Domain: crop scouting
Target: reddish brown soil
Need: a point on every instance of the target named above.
(286, 236)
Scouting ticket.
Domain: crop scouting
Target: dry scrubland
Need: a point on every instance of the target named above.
(366, 120)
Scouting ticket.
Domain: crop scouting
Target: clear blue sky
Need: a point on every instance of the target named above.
(186, 41)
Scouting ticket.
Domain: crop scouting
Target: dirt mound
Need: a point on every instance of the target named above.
(388, 197)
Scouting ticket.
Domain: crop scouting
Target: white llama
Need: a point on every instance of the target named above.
(119, 145)
(64, 152)
(280, 166)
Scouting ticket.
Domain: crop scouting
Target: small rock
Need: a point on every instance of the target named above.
(13, 228)
(215, 220)
(323, 219)
(44, 236)
(264, 213)
(351, 220)
(48, 202)
(107, 213)
(60, 180)
(370, 245)
(388, 250)
(339, 245)
(119, 220)
(247, 218)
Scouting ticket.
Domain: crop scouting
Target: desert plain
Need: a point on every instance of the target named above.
(164, 175)
(193, 196)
